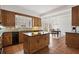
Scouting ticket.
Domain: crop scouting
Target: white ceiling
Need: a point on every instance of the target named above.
(45, 9)
(40, 9)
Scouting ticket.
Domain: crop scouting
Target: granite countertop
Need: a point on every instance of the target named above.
(17, 30)
(22, 30)
(40, 33)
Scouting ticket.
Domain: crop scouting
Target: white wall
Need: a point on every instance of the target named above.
(19, 9)
(0, 7)
(61, 20)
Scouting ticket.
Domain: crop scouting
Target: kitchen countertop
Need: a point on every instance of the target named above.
(41, 33)
(26, 29)
(73, 32)
(19, 30)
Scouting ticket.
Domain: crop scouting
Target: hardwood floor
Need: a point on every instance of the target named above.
(14, 49)
(56, 46)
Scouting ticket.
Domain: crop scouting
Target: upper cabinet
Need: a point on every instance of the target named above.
(14, 19)
(7, 18)
(75, 16)
(36, 22)
(0, 17)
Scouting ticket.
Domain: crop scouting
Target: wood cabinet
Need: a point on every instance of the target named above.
(75, 16)
(72, 40)
(21, 37)
(0, 17)
(36, 22)
(35, 43)
(7, 39)
(8, 18)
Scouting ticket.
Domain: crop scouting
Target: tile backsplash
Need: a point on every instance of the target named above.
(77, 28)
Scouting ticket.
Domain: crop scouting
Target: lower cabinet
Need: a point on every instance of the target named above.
(72, 40)
(12, 38)
(21, 37)
(35, 43)
(7, 39)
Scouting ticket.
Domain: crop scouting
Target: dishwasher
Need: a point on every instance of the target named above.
(15, 38)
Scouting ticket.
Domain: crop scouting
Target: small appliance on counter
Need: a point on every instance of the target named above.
(74, 29)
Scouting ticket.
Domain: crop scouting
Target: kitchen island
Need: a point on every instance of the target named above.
(33, 43)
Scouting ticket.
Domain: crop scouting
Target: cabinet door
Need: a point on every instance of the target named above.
(69, 38)
(39, 22)
(0, 17)
(36, 22)
(8, 18)
(33, 44)
(75, 16)
(72, 40)
(7, 39)
(4, 17)
(44, 41)
(40, 41)
(21, 37)
(26, 44)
